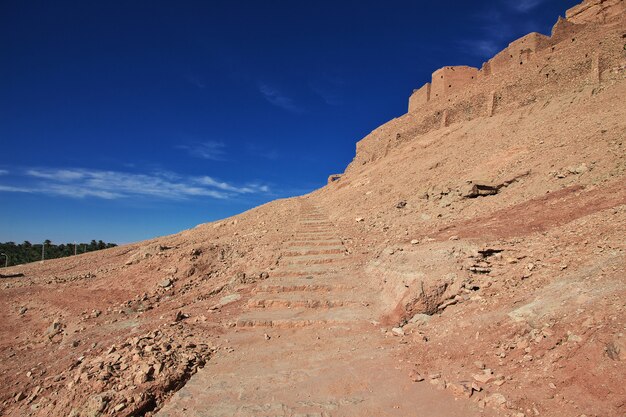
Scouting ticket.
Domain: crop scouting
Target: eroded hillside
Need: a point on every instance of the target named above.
(473, 250)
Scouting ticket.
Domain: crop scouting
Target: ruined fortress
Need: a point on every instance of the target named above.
(529, 69)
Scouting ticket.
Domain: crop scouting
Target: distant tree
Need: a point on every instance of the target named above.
(27, 252)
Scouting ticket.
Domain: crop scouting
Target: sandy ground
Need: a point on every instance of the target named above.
(393, 291)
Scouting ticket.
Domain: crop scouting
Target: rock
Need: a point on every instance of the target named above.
(496, 400)
(480, 365)
(460, 389)
(401, 204)
(267, 337)
(19, 396)
(23, 310)
(414, 242)
(479, 190)
(166, 283)
(485, 377)
(453, 237)
(143, 375)
(359, 219)
(181, 316)
(436, 375)
(119, 407)
(571, 337)
(416, 376)
(55, 328)
(94, 406)
(420, 318)
(397, 331)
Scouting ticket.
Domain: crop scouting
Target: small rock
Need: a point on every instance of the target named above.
(453, 237)
(460, 389)
(397, 331)
(359, 219)
(574, 338)
(414, 242)
(496, 400)
(166, 283)
(434, 376)
(401, 204)
(480, 365)
(267, 336)
(20, 396)
(181, 316)
(23, 310)
(416, 376)
(119, 407)
(485, 377)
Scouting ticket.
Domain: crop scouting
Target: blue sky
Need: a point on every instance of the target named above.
(125, 120)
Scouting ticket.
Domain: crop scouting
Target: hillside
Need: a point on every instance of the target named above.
(470, 261)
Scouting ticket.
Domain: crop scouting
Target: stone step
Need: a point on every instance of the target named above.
(316, 259)
(305, 283)
(312, 250)
(316, 243)
(302, 317)
(300, 271)
(317, 239)
(299, 300)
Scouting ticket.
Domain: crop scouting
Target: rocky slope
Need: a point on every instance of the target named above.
(486, 252)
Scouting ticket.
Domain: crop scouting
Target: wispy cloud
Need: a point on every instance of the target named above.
(480, 47)
(4, 172)
(524, 6)
(110, 185)
(262, 152)
(278, 99)
(223, 186)
(328, 88)
(196, 81)
(211, 150)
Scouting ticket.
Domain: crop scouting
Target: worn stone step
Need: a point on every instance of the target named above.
(302, 317)
(316, 243)
(312, 250)
(316, 259)
(304, 283)
(299, 271)
(296, 300)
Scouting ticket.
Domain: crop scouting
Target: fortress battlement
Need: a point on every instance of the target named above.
(451, 80)
(585, 50)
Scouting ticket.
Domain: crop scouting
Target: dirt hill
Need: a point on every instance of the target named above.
(470, 261)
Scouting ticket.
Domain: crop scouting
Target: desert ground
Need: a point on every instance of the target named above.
(467, 266)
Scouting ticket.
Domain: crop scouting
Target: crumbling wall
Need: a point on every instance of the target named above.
(419, 97)
(580, 54)
(596, 11)
(448, 80)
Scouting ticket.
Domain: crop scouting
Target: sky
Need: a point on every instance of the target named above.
(126, 120)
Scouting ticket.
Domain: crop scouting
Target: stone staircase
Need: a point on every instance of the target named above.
(310, 285)
(306, 347)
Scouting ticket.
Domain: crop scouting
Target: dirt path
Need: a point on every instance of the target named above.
(308, 346)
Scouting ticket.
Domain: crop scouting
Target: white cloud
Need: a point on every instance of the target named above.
(109, 185)
(524, 6)
(480, 47)
(278, 99)
(11, 189)
(211, 150)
